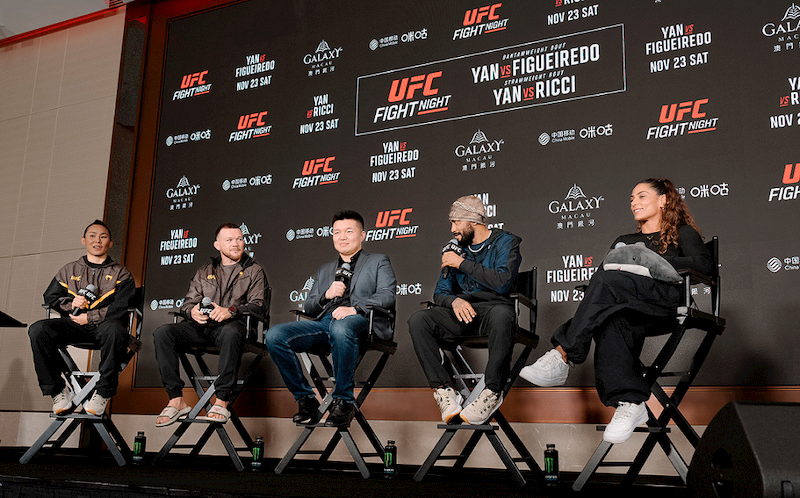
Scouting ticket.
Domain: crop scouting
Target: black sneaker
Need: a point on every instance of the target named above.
(308, 413)
(341, 413)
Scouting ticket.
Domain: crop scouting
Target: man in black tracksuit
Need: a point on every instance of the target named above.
(235, 284)
(85, 317)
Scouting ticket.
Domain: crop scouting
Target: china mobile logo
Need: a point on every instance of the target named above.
(316, 172)
(402, 90)
(393, 224)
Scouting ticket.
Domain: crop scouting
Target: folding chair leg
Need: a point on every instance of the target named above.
(226, 441)
(592, 465)
(502, 452)
(328, 451)
(201, 442)
(371, 436)
(345, 435)
(647, 448)
(43, 439)
(237, 423)
(512, 436)
(435, 454)
(294, 449)
(111, 443)
(171, 442)
(461, 460)
(59, 442)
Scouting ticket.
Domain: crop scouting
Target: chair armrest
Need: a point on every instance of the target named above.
(523, 300)
(258, 316)
(695, 277)
(380, 310)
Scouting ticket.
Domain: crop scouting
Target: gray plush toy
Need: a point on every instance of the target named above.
(637, 258)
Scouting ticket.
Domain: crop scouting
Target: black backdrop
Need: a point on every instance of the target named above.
(276, 114)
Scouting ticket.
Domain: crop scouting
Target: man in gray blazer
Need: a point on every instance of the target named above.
(338, 300)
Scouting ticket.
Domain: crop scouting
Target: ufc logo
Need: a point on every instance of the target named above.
(248, 120)
(791, 174)
(475, 16)
(405, 88)
(387, 218)
(193, 79)
(670, 111)
(312, 166)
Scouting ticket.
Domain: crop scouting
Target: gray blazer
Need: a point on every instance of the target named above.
(373, 283)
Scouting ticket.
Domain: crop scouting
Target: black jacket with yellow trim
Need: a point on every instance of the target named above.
(246, 291)
(114, 283)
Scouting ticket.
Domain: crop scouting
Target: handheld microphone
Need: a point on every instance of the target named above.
(205, 307)
(90, 294)
(344, 274)
(451, 246)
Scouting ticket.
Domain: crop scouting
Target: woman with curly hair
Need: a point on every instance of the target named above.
(620, 309)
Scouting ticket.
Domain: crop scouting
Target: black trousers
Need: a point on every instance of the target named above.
(497, 320)
(48, 335)
(618, 310)
(172, 338)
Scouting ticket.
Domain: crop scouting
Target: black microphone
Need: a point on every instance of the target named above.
(344, 274)
(90, 294)
(451, 246)
(205, 307)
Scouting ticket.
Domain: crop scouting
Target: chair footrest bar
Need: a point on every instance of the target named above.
(650, 430)
(456, 427)
(615, 464)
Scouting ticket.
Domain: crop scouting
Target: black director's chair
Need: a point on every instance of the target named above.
(83, 385)
(203, 384)
(321, 373)
(687, 317)
(470, 385)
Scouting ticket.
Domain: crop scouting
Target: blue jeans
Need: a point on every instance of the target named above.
(343, 338)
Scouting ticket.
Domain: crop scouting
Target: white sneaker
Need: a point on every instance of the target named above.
(449, 403)
(548, 371)
(627, 417)
(96, 405)
(62, 402)
(481, 410)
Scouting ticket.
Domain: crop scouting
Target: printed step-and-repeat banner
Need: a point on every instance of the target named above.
(275, 115)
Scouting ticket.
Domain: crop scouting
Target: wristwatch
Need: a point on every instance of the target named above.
(232, 311)
(359, 310)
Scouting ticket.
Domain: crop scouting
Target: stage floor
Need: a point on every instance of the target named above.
(74, 473)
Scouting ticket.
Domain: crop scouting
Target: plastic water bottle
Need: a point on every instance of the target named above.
(139, 443)
(551, 465)
(258, 454)
(390, 461)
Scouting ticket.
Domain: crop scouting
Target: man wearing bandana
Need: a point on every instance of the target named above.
(471, 298)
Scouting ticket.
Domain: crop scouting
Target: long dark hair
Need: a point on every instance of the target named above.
(674, 214)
